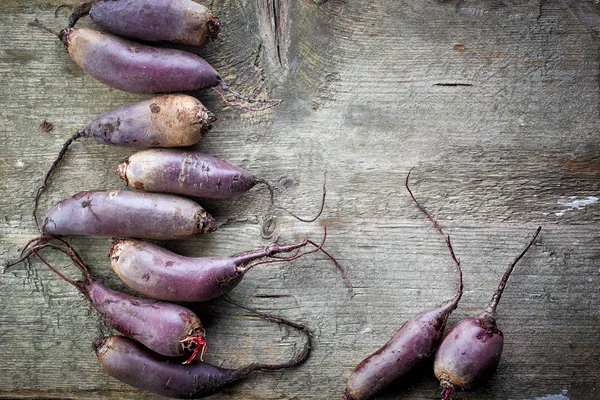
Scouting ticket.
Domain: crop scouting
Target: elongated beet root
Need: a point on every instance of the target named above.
(178, 21)
(185, 172)
(135, 365)
(161, 274)
(166, 328)
(410, 347)
(163, 327)
(173, 120)
(139, 68)
(127, 361)
(128, 214)
(134, 67)
(470, 352)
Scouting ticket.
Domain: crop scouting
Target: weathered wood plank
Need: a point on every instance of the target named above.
(503, 137)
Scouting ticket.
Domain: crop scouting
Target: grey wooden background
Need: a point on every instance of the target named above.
(503, 137)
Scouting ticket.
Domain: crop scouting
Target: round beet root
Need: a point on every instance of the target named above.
(472, 357)
(470, 352)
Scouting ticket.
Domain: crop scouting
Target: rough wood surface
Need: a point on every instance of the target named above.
(496, 106)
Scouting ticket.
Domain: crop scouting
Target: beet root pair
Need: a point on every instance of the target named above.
(466, 357)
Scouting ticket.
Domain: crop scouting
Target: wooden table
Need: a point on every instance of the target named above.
(495, 105)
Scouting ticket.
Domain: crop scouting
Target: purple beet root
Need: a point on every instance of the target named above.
(470, 352)
(166, 328)
(129, 362)
(137, 68)
(161, 274)
(185, 172)
(172, 120)
(410, 347)
(121, 213)
(179, 21)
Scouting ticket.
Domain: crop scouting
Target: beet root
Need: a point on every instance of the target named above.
(179, 21)
(165, 328)
(134, 67)
(123, 213)
(185, 172)
(410, 347)
(470, 352)
(471, 357)
(161, 274)
(131, 363)
(138, 68)
(172, 120)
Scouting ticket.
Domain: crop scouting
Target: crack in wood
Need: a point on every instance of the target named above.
(272, 24)
(453, 84)
(276, 29)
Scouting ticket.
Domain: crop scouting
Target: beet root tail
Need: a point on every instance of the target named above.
(446, 392)
(199, 342)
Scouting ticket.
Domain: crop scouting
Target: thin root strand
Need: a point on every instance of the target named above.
(297, 360)
(446, 392)
(80, 11)
(446, 239)
(307, 220)
(240, 96)
(338, 265)
(491, 308)
(44, 184)
(36, 22)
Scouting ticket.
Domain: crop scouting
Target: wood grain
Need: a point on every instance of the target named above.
(502, 133)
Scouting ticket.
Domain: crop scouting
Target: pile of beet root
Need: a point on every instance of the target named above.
(162, 342)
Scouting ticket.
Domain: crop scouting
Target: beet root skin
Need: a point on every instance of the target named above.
(121, 213)
(131, 363)
(179, 21)
(185, 172)
(469, 354)
(411, 346)
(161, 274)
(134, 67)
(173, 120)
(158, 325)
